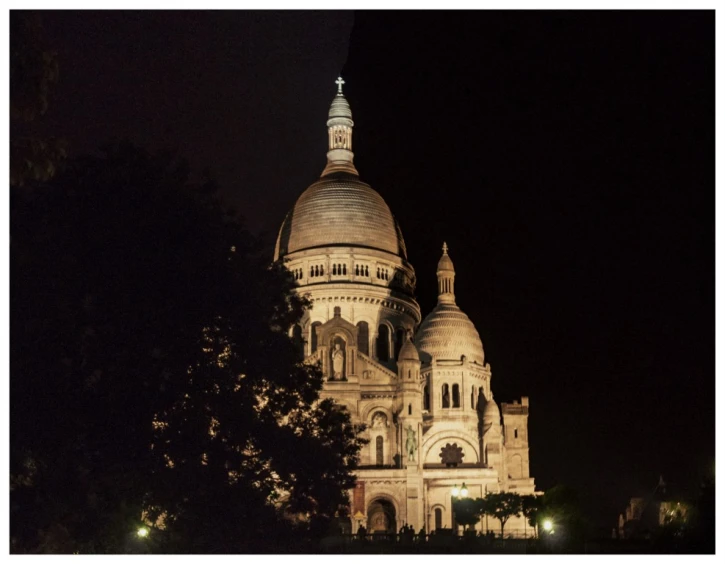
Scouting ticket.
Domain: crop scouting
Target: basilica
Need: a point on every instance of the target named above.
(421, 386)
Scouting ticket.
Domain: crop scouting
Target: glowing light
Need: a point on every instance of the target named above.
(464, 490)
(455, 491)
(142, 532)
(548, 525)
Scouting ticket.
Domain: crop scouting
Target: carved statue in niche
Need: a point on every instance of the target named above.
(338, 362)
(411, 444)
(380, 419)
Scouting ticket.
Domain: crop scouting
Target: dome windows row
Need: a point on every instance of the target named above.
(361, 270)
(356, 271)
(317, 270)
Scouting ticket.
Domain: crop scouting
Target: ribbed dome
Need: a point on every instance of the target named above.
(340, 108)
(491, 413)
(408, 351)
(339, 209)
(447, 333)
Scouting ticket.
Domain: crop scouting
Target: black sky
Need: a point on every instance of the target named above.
(566, 157)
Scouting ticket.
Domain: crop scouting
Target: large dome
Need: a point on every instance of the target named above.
(340, 209)
(447, 333)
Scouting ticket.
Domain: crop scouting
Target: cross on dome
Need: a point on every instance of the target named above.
(339, 83)
(445, 248)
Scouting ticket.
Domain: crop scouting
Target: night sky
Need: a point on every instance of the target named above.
(567, 158)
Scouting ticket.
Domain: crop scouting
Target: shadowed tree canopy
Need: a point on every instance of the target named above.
(33, 70)
(502, 506)
(152, 372)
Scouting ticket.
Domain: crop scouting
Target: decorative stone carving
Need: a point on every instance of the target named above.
(380, 419)
(451, 455)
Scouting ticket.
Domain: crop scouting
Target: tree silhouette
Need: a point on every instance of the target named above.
(502, 506)
(152, 376)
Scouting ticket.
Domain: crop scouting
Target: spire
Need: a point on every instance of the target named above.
(339, 129)
(446, 273)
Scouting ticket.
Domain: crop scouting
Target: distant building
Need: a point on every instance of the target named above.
(422, 386)
(644, 515)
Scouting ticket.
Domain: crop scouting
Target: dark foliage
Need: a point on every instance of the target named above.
(33, 71)
(152, 373)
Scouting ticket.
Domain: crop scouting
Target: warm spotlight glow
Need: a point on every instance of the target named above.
(464, 490)
(142, 532)
(548, 525)
(455, 491)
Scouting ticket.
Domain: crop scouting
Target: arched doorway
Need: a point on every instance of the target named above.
(381, 517)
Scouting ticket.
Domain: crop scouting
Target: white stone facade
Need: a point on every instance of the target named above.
(418, 392)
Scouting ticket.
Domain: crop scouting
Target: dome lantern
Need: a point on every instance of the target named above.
(446, 274)
(339, 130)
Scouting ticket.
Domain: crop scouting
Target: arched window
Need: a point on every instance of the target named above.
(377, 273)
(312, 271)
(426, 398)
(516, 433)
(379, 450)
(399, 339)
(357, 270)
(344, 270)
(439, 518)
(367, 273)
(322, 270)
(363, 337)
(382, 348)
(446, 397)
(317, 270)
(313, 336)
(456, 396)
(410, 409)
(473, 397)
(334, 269)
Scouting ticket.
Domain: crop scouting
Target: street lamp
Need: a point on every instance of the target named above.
(457, 494)
(548, 526)
(142, 532)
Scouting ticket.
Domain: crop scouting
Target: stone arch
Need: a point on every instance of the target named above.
(383, 341)
(438, 512)
(363, 337)
(371, 409)
(313, 336)
(387, 496)
(452, 437)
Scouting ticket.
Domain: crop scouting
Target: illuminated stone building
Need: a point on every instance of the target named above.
(421, 386)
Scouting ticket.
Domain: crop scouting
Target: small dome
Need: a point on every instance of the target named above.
(447, 333)
(340, 108)
(445, 264)
(408, 351)
(491, 413)
(340, 209)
